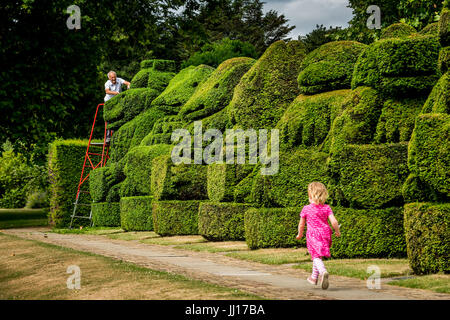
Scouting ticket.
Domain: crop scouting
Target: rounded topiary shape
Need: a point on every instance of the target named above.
(162, 131)
(430, 30)
(439, 99)
(181, 88)
(329, 67)
(266, 90)
(444, 59)
(444, 27)
(216, 92)
(397, 30)
(395, 67)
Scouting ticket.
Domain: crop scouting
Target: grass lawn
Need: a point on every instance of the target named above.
(435, 282)
(19, 218)
(34, 270)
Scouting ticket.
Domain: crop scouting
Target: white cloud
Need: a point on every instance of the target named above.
(306, 14)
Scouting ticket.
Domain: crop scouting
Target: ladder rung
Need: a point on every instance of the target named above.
(94, 154)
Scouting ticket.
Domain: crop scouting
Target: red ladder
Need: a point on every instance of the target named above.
(91, 164)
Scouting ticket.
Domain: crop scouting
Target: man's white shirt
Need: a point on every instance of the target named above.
(113, 87)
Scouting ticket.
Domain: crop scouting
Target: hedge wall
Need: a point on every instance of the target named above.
(222, 221)
(369, 176)
(136, 213)
(266, 90)
(329, 67)
(308, 119)
(106, 214)
(181, 88)
(138, 168)
(180, 182)
(65, 162)
(369, 233)
(272, 227)
(429, 151)
(383, 66)
(175, 217)
(427, 227)
(215, 93)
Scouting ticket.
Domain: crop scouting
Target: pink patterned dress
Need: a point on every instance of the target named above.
(318, 232)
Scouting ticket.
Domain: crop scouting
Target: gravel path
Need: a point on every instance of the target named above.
(273, 282)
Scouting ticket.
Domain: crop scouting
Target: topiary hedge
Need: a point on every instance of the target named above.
(162, 131)
(272, 227)
(215, 93)
(175, 217)
(136, 213)
(431, 29)
(369, 176)
(289, 187)
(65, 162)
(222, 221)
(308, 119)
(106, 214)
(397, 30)
(329, 67)
(159, 64)
(429, 151)
(266, 90)
(98, 186)
(439, 99)
(384, 67)
(138, 168)
(427, 228)
(444, 59)
(181, 88)
(444, 27)
(369, 233)
(127, 105)
(180, 182)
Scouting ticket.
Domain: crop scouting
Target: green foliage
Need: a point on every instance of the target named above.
(369, 233)
(215, 93)
(272, 227)
(223, 178)
(397, 30)
(319, 36)
(180, 182)
(308, 119)
(358, 120)
(384, 67)
(396, 122)
(368, 176)
(162, 131)
(175, 217)
(159, 65)
(101, 180)
(266, 90)
(127, 105)
(427, 228)
(439, 99)
(181, 88)
(430, 30)
(428, 152)
(416, 190)
(444, 27)
(444, 59)
(329, 67)
(65, 163)
(106, 214)
(136, 213)
(222, 221)
(216, 53)
(138, 168)
(37, 200)
(289, 187)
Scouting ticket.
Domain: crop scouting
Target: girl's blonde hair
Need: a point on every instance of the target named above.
(317, 192)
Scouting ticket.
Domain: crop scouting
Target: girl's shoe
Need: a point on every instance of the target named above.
(324, 280)
(311, 280)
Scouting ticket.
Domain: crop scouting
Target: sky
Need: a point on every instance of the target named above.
(306, 14)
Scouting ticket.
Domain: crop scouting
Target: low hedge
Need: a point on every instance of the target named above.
(222, 221)
(429, 151)
(427, 228)
(65, 161)
(136, 213)
(101, 180)
(329, 67)
(369, 233)
(369, 176)
(397, 30)
(175, 217)
(272, 227)
(106, 214)
(178, 182)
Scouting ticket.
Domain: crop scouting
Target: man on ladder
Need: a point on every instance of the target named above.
(112, 88)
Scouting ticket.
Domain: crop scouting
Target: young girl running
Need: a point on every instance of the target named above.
(318, 232)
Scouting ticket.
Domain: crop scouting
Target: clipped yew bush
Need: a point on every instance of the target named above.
(106, 214)
(136, 213)
(439, 99)
(175, 217)
(397, 30)
(427, 228)
(222, 221)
